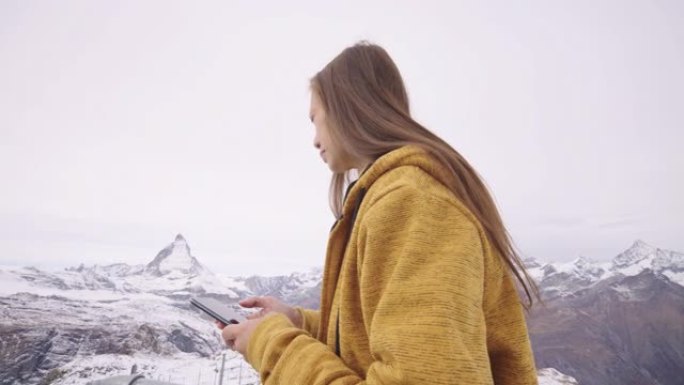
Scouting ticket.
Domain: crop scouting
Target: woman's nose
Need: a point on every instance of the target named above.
(317, 143)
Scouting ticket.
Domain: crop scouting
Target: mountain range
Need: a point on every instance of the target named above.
(616, 322)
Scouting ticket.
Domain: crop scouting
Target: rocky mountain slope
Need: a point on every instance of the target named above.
(616, 322)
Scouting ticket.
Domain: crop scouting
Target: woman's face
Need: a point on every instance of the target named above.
(330, 152)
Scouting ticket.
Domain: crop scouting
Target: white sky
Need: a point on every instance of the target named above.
(123, 123)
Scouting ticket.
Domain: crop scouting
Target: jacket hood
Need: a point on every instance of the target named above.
(401, 157)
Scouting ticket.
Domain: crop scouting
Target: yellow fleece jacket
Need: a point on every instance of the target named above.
(412, 294)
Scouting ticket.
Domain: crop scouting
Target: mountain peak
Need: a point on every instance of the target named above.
(582, 261)
(639, 244)
(530, 263)
(175, 258)
(638, 252)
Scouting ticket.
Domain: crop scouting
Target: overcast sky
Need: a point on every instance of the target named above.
(123, 123)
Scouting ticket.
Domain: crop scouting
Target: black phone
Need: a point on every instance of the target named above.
(217, 310)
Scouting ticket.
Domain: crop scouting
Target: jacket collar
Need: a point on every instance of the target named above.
(403, 156)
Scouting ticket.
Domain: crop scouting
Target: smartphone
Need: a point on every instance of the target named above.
(217, 310)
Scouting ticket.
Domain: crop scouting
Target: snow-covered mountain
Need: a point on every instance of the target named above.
(565, 279)
(613, 322)
(175, 260)
(173, 272)
(89, 322)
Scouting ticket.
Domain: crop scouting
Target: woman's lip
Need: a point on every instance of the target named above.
(323, 152)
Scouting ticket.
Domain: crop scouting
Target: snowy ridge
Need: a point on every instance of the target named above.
(564, 279)
(174, 271)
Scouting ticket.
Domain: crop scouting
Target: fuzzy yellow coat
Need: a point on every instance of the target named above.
(412, 294)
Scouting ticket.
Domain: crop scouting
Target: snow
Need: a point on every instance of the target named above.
(567, 267)
(676, 277)
(178, 282)
(566, 278)
(14, 284)
(179, 260)
(181, 368)
(626, 293)
(96, 283)
(11, 283)
(537, 273)
(551, 376)
(635, 254)
(184, 368)
(311, 278)
(636, 267)
(621, 288)
(234, 283)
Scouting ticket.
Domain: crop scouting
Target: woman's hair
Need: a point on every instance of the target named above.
(367, 110)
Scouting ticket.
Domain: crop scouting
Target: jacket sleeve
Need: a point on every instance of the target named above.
(421, 276)
(284, 354)
(310, 320)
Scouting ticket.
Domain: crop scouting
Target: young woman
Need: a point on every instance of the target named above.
(419, 285)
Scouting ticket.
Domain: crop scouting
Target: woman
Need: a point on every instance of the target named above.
(418, 286)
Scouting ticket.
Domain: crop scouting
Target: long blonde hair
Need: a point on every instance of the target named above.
(367, 109)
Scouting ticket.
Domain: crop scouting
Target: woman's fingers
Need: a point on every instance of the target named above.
(252, 302)
(237, 336)
(229, 334)
(265, 305)
(219, 324)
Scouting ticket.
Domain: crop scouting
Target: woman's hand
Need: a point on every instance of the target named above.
(271, 304)
(237, 336)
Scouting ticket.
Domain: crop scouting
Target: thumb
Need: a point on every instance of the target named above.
(251, 302)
